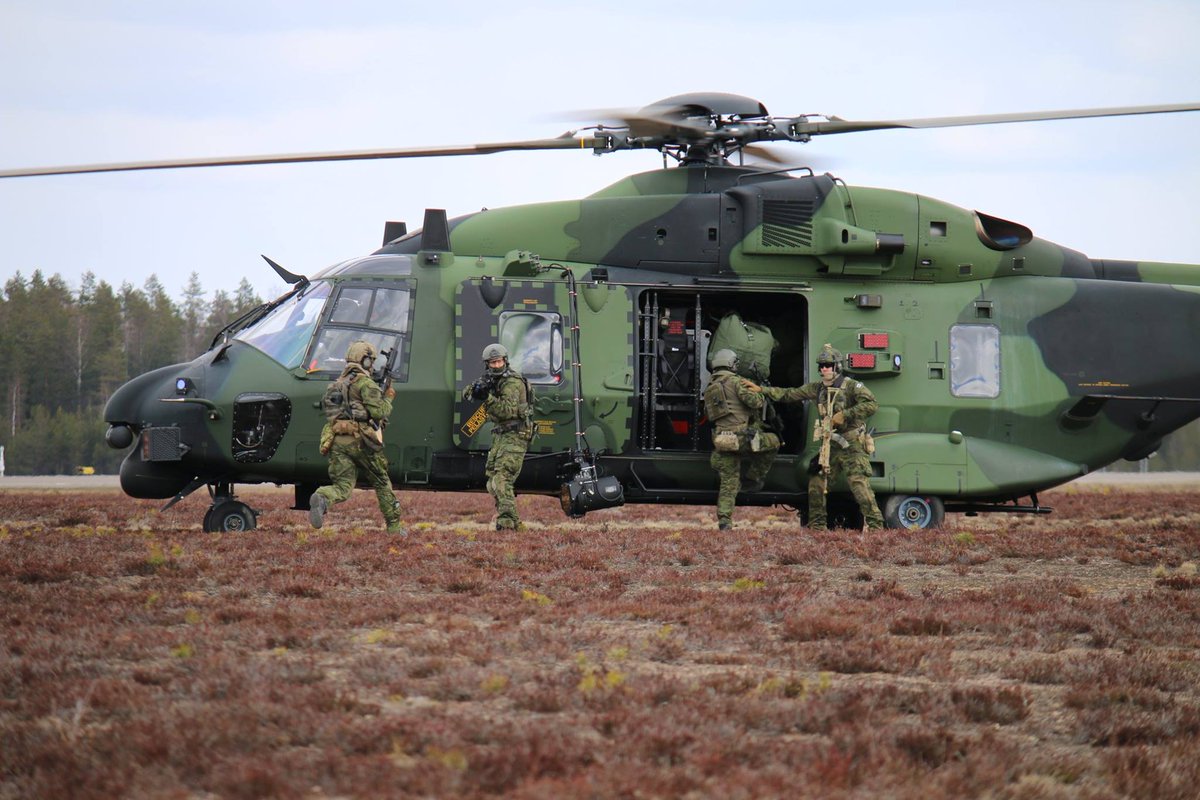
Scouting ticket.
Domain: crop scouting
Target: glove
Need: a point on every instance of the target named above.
(837, 419)
(390, 394)
(751, 385)
(480, 390)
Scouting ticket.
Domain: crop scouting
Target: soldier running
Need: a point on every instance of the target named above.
(353, 442)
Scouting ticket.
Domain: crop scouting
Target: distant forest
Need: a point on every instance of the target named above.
(63, 352)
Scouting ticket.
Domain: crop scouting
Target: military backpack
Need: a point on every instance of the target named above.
(341, 405)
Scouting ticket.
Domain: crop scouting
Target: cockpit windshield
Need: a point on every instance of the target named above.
(284, 333)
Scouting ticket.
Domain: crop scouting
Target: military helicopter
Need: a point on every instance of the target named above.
(1004, 364)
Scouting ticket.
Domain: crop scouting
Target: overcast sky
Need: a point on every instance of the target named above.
(103, 80)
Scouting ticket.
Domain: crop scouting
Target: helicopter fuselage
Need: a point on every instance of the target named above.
(1003, 364)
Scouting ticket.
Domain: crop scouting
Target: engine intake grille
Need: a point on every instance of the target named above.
(787, 224)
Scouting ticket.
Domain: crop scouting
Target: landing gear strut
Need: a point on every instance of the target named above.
(227, 513)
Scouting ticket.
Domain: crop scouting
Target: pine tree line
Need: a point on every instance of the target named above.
(64, 352)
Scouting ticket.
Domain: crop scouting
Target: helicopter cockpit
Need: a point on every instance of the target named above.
(313, 329)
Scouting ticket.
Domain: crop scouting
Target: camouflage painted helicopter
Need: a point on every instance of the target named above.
(996, 356)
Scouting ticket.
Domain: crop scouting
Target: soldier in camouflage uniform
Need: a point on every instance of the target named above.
(852, 403)
(343, 442)
(507, 399)
(742, 450)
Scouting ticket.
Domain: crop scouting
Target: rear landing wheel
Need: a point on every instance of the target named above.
(915, 512)
(230, 515)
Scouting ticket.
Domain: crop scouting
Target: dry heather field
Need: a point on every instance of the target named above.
(636, 654)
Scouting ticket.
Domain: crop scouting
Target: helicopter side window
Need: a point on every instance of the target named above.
(377, 308)
(975, 361)
(535, 344)
(377, 315)
(284, 333)
(329, 355)
(352, 306)
(390, 310)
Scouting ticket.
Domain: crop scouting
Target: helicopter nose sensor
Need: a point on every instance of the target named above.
(119, 437)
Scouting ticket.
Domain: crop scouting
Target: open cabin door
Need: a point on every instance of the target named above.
(530, 318)
(678, 331)
(672, 360)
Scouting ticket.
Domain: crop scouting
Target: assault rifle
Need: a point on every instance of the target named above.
(378, 425)
(484, 386)
(389, 361)
(823, 433)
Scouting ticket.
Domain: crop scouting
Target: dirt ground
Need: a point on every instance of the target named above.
(635, 653)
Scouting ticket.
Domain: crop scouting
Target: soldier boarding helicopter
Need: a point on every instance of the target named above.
(1003, 364)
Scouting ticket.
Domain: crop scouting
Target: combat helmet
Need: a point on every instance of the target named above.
(494, 351)
(725, 359)
(360, 351)
(828, 355)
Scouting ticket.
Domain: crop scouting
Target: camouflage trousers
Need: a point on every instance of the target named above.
(734, 468)
(504, 462)
(349, 461)
(853, 463)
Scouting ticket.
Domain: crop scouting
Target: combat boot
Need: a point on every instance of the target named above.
(398, 529)
(317, 506)
(725, 525)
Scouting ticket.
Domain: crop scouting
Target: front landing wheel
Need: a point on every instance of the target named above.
(915, 512)
(230, 515)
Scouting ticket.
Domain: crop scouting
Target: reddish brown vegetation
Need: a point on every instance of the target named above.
(638, 653)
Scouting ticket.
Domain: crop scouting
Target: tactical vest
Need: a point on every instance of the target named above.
(346, 412)
(848, 393)
(849, 389)
(523, 421)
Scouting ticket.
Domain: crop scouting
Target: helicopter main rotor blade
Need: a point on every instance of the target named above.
(717, 124)
(565, 142)
(836, 125)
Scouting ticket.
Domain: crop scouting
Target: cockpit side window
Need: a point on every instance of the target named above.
(352, 306)
(381, 315)
(390, 310)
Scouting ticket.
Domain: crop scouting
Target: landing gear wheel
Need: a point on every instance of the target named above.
(915, 512)
(232, 516)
